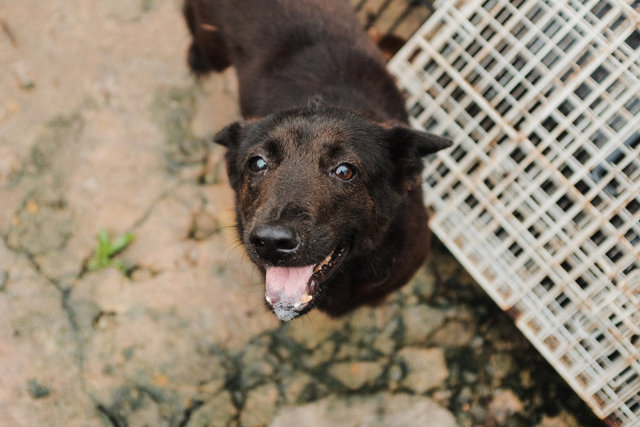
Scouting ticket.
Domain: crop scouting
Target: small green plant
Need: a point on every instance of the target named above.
(107, 250)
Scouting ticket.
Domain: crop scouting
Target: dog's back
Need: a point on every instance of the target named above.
(286, 52)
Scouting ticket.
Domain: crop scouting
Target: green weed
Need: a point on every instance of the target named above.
(107, 250)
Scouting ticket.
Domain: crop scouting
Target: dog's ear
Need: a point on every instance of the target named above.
(407, 147)
(423, 143)
(229, 136)
(428, 143)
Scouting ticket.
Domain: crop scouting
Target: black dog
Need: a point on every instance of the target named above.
(326, 172)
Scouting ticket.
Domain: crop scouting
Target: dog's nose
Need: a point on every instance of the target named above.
(274, 242)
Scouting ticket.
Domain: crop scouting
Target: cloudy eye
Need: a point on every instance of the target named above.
(257, 164)
(345, 171)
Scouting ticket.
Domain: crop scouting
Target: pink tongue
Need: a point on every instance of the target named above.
(287, 285)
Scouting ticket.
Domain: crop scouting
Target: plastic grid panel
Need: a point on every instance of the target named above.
(540, 197)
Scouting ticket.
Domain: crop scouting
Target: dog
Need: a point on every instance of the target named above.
(325, 169)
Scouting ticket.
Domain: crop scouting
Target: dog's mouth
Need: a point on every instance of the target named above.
(291, 291)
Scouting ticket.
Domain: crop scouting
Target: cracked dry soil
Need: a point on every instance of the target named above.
(101, 125)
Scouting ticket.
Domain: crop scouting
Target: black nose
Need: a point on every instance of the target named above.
(274, 242)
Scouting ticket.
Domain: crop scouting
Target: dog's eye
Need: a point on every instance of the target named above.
(345, 171)
(257, 164)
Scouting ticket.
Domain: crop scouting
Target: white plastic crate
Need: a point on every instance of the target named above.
(540, 197)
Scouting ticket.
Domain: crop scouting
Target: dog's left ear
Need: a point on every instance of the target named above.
(423, 143)
(407, 147)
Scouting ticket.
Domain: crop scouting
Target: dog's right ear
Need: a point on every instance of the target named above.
(229, 136)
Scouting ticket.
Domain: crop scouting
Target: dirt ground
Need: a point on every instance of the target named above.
(103, 127)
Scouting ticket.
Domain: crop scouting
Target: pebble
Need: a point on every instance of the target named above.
(420, 322)
(218, 410)
(387, 339)
(295, 385)
(469, 377)
(322, 354)
(260, 405)
(425, 283)
(500, 365)
(355, 375)
(454, 333)
(395, 373)
(504, 404)
(564, 419)
(427, 368)
(314, 330)
(384, 343)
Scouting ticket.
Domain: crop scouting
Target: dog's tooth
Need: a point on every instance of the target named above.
(306, 298)
(297, 304)
(327, 259)
(268, 300)
(323, 263)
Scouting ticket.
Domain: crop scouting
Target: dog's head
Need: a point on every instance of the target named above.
(315, 187)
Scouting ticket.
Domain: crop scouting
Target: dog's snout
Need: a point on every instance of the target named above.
(274, 242)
